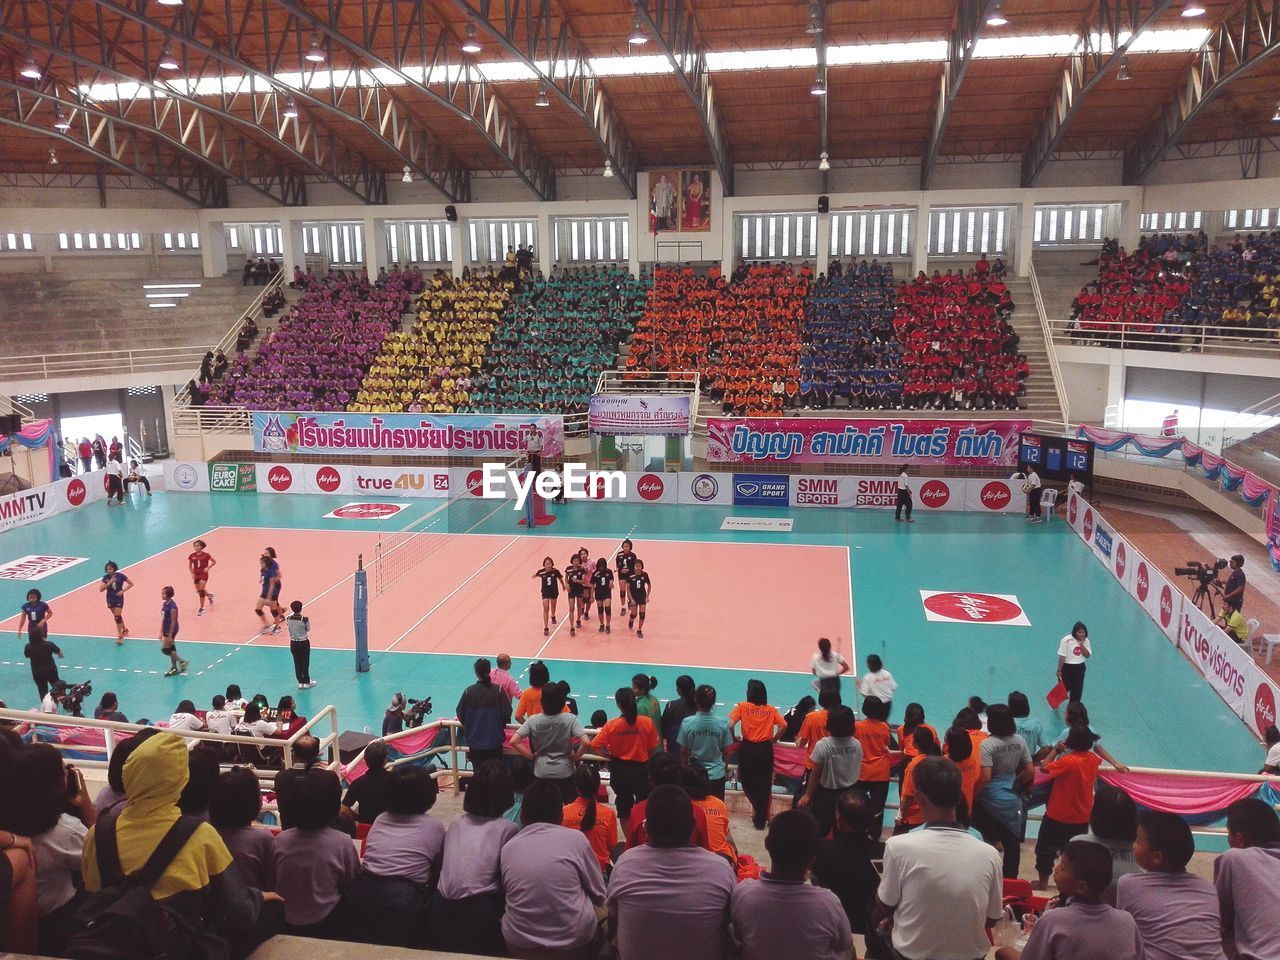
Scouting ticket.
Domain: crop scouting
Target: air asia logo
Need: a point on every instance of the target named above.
(935, 494)
(328, 479)
(1122, 560)
(76, 492)
(366, 511)
(1142, 581)
(1071, 509)
(996, 495)
(1088, 525)
(1264, 708)
(475, 483)
(705, 488)
(279, 479)
(972, 608)
(1166, 606)
(817, 492)
(1214, 661)
(875, 493)
(185, 476)
(650, 487)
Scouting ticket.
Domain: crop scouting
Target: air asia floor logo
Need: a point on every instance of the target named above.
(76, 492)
(935, 494)
(992, 608)
(366, 511)
(36, 567)
(996, 495)
(573, 482)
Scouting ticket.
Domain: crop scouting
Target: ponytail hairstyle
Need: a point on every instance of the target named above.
(587, 782)
(643, 684)
(626, 701)
(271, 552)
(602, 564)
(824, 648)
(911, 718)
(706, 697)
(686, 689)
(166, 592)
(539, 675)
(926, 742)
(959, 744)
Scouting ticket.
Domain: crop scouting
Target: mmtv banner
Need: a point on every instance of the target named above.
(961, 443)
(38, 503)
(637, 415)
(396, 434)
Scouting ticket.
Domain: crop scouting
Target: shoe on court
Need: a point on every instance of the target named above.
(640, 634)
(209, 596)
(302, 686)
(275, 629)
(553, 619)
(182, 665)
(546, 631)
(631, 624)
(200, 612)
(573, 632)
(309, 684)
(609, 629)
(602, 628)
(171, 672)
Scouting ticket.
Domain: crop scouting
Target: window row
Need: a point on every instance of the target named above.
(1069, 225)
(591, 239)
(16, 242)
(100, 241)
(1258, 218)
(1175, 220)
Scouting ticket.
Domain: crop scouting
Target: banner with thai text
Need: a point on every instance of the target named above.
(398, 434)
(968, 443)
(637, 415)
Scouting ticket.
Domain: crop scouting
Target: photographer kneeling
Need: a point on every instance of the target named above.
(1233, 623)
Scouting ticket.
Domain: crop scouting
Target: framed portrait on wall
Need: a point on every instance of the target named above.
(664, 201)
(695, 201)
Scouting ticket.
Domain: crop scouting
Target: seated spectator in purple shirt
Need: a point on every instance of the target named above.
(1247, 877)
(389, 902)
(667, 897)
(1177, 912)
(466, 914)
(233, 810)
(1084, 928)
(781, 915)
(311, 863)
(552, 883)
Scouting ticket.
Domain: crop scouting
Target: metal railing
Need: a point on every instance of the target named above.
(47, 366)
(674, 382)
(1055, 370)
(1251, 421)
(1183, 338)
(10, 406)
(189, 421)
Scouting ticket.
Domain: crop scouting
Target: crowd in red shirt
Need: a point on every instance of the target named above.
(1137, 293)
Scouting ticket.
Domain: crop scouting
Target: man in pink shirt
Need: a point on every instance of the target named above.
(503, 679)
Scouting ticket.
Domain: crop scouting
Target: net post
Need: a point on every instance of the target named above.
(360, 616)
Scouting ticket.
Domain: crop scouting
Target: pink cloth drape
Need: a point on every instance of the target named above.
(1185, 796)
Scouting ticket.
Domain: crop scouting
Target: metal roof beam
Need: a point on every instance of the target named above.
(1101, 46)
(1244, 38)
(970, 18)
(447, 77)
(671, 24)
(546, 42)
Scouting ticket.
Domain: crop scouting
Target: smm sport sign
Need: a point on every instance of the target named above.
(997, 609)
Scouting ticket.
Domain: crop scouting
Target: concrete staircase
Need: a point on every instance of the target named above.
(1062, 274)
(1041, 399)
(1260, 453)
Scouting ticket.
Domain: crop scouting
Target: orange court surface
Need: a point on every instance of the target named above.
(713, 605)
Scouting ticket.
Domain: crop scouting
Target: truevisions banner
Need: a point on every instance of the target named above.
(637, 415)
(967, 443)
(397, 434)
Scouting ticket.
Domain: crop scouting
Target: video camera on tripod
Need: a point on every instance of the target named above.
(416, 715)
(72, 697)
(1205, 576)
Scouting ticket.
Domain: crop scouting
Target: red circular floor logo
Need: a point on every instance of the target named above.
(76, 492)
(1143, 581)
(650, 487)
(367, 511)
(1071, 509)
(1166, 606)
(475, 483)
(279, 479)
(996, 495)
(935, 494)
(1088, 526)
(328, 479)
(1122, 560)
(972, 607)
(1264, 708)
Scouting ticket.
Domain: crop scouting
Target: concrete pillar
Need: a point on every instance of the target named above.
(1115, 387)
(1130, 227)
(213, 249)
(375, 246)
(727, 220)
(824, 244)
(546, 244)
(461, 239)
(291, 246)
(635, 230)
(920, 249)
(1023, 236)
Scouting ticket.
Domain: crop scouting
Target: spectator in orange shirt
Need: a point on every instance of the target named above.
(909, 815)
(629, 741)
(1070, 803)
(719, 837)
(530, 702)
(958, 748)
(596, 820)
(814, 726)
(762, 725)
(875, 736)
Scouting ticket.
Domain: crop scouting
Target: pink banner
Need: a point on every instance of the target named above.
(1185, 796)
(961, 443)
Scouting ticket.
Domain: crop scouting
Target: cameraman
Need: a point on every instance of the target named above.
(40, 650)
(1233, 591)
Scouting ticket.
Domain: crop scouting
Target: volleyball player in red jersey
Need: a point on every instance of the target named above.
(199, 563)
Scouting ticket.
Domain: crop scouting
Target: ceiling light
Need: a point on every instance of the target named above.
(996, 17)
(824, 161)
(290, 108)
(1193, 10)
(167, 60)
(315, 54)
(169, 3)
(53, 156)
(470, 43)
(160, 306)
(819, 88)
(60, 121)
(815, 19)
(407, 175)
(638, 36)
(30, 70)
(542, 100)
(608, 168)
(1124, 73)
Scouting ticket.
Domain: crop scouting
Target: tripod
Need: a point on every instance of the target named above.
(1204, 596)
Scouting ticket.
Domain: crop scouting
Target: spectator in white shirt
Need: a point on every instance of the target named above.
(941, 888)
(827, 666)
(1031, 487)
(1272, 763)
(253, 725)
(1074, 650)
(219, 719)
(184, 718)
(878, 682)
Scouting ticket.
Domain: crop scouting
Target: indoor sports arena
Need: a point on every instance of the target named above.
(629, 480)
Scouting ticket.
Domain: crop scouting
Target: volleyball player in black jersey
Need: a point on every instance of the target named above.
(588, 596)
(641, 588)
(575, 576)
(625, 562)
(551, 579)
(602, 584)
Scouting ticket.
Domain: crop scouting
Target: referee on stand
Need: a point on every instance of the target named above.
(533, 450)
(904, 497)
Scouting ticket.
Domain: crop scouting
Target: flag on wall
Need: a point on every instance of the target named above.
(653, 213)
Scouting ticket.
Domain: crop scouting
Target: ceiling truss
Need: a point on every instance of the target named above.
(961, 44)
